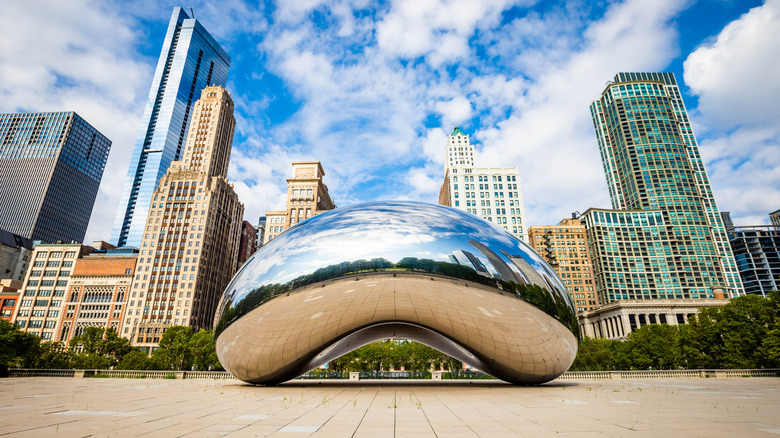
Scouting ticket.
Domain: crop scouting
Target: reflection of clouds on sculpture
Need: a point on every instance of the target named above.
(409, 270)
(393, 231)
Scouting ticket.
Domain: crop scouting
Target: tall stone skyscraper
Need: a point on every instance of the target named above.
(190, 60)
(190, 242)
(665, 237)
(307, 196)
(492, 193)
(51, 165)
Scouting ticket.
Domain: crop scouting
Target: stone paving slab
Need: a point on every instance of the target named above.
(39, 406)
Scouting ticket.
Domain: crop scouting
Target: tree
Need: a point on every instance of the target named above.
(655, 346)
(740, 334)
(16, 347)
(136, 360)
(175, 352)
(596, 354)
(204, 352)
(98, 348)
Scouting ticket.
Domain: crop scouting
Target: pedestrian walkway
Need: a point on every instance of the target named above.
(203, 408)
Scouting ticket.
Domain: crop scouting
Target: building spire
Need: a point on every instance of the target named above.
(457, 131)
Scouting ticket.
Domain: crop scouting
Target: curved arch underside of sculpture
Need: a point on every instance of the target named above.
(491, 330)
(435, 274)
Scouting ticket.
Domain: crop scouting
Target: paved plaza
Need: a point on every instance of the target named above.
(615, 408)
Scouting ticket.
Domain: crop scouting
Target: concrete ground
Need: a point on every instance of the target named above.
(614, 408)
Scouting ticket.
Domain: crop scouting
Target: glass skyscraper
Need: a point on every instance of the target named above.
(51, 165)
(677, 248)
(189, 61)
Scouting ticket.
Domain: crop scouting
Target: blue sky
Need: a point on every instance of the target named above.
(371, 89)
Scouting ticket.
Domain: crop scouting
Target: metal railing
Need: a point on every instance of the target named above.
(387, 375)
(396, 375)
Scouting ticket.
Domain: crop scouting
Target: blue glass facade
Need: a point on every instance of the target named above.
(652, 162)
(51, 165)
(189, 61)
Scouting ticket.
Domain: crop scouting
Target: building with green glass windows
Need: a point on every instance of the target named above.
(664, 237)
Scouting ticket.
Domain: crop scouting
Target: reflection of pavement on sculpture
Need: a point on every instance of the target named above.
(497, 333)
(429, 273)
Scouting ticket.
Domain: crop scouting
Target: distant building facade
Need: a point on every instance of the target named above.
(492, 193)
(307, 196)
(189, 246)
(42, 297)
(664, 237)
(190, 60)
(565, 248)
(51, 165)
(260, 232)
(9, 296)
(248, 243)
(774, 217)
(757, 252)
(728, 224)
(97, 292)
(616, 320)
(15, 252)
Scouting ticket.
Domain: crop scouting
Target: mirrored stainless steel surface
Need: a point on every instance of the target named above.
(430, 273)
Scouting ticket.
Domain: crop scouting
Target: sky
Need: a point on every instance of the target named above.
(372, 89)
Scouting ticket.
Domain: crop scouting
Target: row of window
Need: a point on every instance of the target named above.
(57, 254)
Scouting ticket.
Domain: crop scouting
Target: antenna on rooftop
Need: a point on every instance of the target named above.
(192, 12)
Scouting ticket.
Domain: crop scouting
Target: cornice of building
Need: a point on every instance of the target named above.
(654, 304)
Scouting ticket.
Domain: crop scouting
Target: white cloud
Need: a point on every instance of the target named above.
(454, 111)
(375, 92)
(439, 28)
(549, 134)
(734, 77)
(77, 56)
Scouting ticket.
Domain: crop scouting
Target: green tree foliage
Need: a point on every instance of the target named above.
(174, 352)
(745, 333)
(394, 355)
(98, 348)
(17, 349)
(136, 360)
(181, 350)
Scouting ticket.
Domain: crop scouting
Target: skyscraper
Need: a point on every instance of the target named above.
(50, 170)
(307, 196)
(665, 237)
(189, 61)
(757, 251)
(190, 242)
(492, 193)
(565, 248)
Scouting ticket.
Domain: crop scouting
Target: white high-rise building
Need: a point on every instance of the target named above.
(492, 193)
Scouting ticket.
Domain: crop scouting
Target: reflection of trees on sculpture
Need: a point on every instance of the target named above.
(551, 304)
(548, 302)
(395, 355)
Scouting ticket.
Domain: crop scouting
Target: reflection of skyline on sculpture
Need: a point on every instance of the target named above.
(429, 273)
(406, 230)
(392, 232)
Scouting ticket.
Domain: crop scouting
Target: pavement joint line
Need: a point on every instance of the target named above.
(364, 414)
(39, 427)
